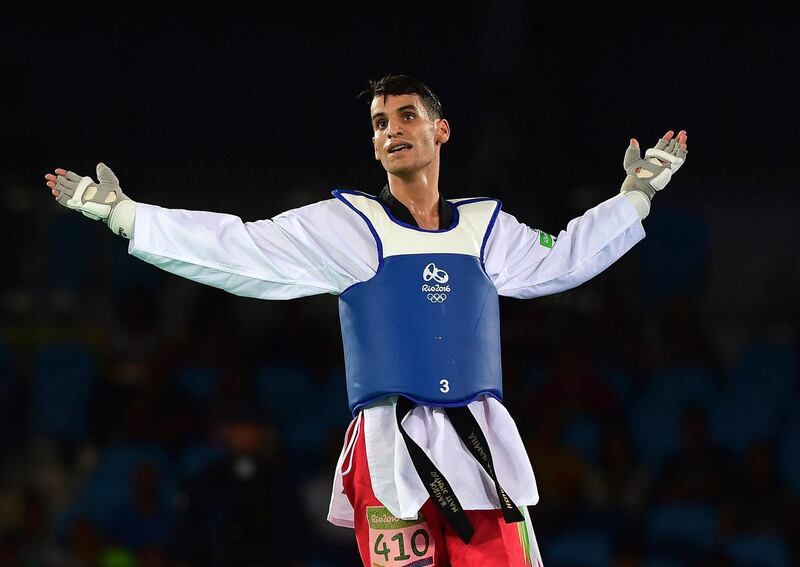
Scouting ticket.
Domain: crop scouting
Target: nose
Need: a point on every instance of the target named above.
(394, 128)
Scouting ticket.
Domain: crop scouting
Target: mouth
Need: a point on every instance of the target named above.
(400, 148)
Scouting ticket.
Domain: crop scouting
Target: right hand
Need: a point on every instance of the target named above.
(99, 201)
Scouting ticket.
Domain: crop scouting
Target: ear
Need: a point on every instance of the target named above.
(442, 131)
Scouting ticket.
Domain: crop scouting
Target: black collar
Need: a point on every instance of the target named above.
(401, 212)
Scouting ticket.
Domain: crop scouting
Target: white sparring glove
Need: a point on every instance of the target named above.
(99, 201)
(646, 176)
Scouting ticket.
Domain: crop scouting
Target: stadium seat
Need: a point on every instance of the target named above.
(789, 453)
(583, 435)
(762, 550)
(127, 270)
(674, 259)
(663, 562)
(195, 458)
(766, 370)
(687, 525)
(756, 398)
(63, 378)
(656, 414)
(197, 381)
(584, 548)
(68, 272)
(620, 380)
(109, 488)
(684, 384)
(737, 421)
(306, 434)
(281, 389)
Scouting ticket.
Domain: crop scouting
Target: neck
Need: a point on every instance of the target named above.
(419, 193)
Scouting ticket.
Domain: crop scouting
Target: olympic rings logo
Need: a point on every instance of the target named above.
(437, 297)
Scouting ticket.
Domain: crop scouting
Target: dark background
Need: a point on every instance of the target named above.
(659, 402)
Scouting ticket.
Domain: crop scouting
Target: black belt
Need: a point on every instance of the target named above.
(441, 493)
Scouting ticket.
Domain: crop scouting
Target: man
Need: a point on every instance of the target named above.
(433, 470)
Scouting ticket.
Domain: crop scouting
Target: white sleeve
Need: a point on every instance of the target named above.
(521, 265)
(310, 250)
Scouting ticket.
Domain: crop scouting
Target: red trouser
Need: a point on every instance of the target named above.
(386, 541)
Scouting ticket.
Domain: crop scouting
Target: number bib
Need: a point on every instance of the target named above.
(398, 543)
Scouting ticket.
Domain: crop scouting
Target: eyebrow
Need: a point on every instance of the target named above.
(401, 109)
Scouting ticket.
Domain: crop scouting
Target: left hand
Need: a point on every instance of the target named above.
(653, 174)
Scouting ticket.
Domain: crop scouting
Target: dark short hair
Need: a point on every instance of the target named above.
(404, 84)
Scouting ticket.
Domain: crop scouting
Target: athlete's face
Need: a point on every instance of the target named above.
(402, 119)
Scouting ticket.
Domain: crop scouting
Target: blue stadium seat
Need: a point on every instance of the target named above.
(331, 399)
(197, 381)
(108, 489)
(737, 421)
(663, 562)
(127, 270)
(691, 525)
(684, 385)
(620, 380)
(534, 376)
(196, 458)
(766, 370)
(282, 389)
(305, 433)
(655, 428)
(656, 415)
(762, 550)
(582, 434)
(756, 399)
(789, 453)
(63, 378)
(68, 272)
(674, 259)
(582, 548)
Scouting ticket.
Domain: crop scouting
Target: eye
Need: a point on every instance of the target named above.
(379, 123)
(408, 114)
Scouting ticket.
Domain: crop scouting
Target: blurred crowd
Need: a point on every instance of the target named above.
(148, 420)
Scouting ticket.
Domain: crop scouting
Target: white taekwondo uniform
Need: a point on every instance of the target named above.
(326, 247)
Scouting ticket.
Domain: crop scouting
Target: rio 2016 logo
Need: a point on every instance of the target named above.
(436, 293)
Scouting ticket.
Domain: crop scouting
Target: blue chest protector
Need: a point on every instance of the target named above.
(427, 325)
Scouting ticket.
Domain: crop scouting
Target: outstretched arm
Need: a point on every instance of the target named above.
(300, 252)
(524, 262)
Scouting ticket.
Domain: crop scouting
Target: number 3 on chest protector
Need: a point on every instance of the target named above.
(445, 386)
